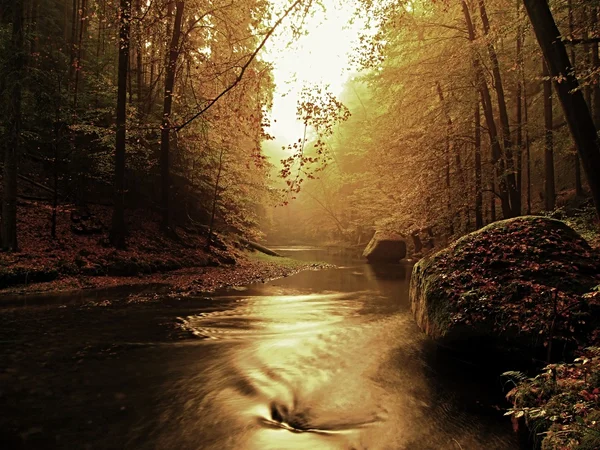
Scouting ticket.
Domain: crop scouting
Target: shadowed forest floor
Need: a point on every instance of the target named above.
(76, 260)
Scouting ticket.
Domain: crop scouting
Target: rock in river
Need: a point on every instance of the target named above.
(518, 281)
(385, 247)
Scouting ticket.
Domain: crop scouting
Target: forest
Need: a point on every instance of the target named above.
(448, 120)
(451, 124)
(155, 194)
(104, 112)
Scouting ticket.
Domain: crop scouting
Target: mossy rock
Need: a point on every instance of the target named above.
(502, 282)
(385, 248)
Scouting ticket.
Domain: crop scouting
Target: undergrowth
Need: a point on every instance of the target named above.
(561, 405)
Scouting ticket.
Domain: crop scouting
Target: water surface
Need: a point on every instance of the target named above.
(327, 359)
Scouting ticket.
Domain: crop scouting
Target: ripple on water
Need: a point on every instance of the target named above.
(313, 391)
(314, 372)
(272, 316)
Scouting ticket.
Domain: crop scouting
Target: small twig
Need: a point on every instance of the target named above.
(457, 443)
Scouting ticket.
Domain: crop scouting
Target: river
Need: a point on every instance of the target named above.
(326, 359)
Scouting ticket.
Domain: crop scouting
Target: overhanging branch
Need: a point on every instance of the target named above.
(243, 70)
(581, 41)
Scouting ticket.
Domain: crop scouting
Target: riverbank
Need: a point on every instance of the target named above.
(250, 267)
(80, 256)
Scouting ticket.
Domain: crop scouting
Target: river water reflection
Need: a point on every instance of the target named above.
(325, 359)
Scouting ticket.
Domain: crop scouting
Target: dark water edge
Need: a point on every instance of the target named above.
(80, 296)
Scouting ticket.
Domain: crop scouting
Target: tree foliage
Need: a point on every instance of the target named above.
(449, 127)
(207, 66)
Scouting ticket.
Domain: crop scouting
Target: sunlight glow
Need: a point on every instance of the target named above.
(318, 58)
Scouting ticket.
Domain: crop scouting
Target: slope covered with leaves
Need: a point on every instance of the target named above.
(75, 260)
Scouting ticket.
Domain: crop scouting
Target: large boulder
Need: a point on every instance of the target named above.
(385, 248)
(518, 281)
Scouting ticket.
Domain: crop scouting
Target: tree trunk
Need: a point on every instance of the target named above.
(215, 200)
(519, 107)
(493, 216)
(57, 130)
(66, 22)
(527, 146)
(486, 101)
(596, 67)
(82, 23)
(260, 248)
(100, 12)
(549, 188)
(73, 44)
(13, 135)
(33, 31)
(166, 123)
(129, 78)
(515, 200)
(448, 188)
(587, 60)
(54, 191)
(416, 241)
(117, 235)
(478, 192)
(576, 111)
(578, 184)
(449, 149)
(139, 59)
(149, 97)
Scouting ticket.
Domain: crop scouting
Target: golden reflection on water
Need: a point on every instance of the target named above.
(301, 379)
(311, 371)
(277, 315)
